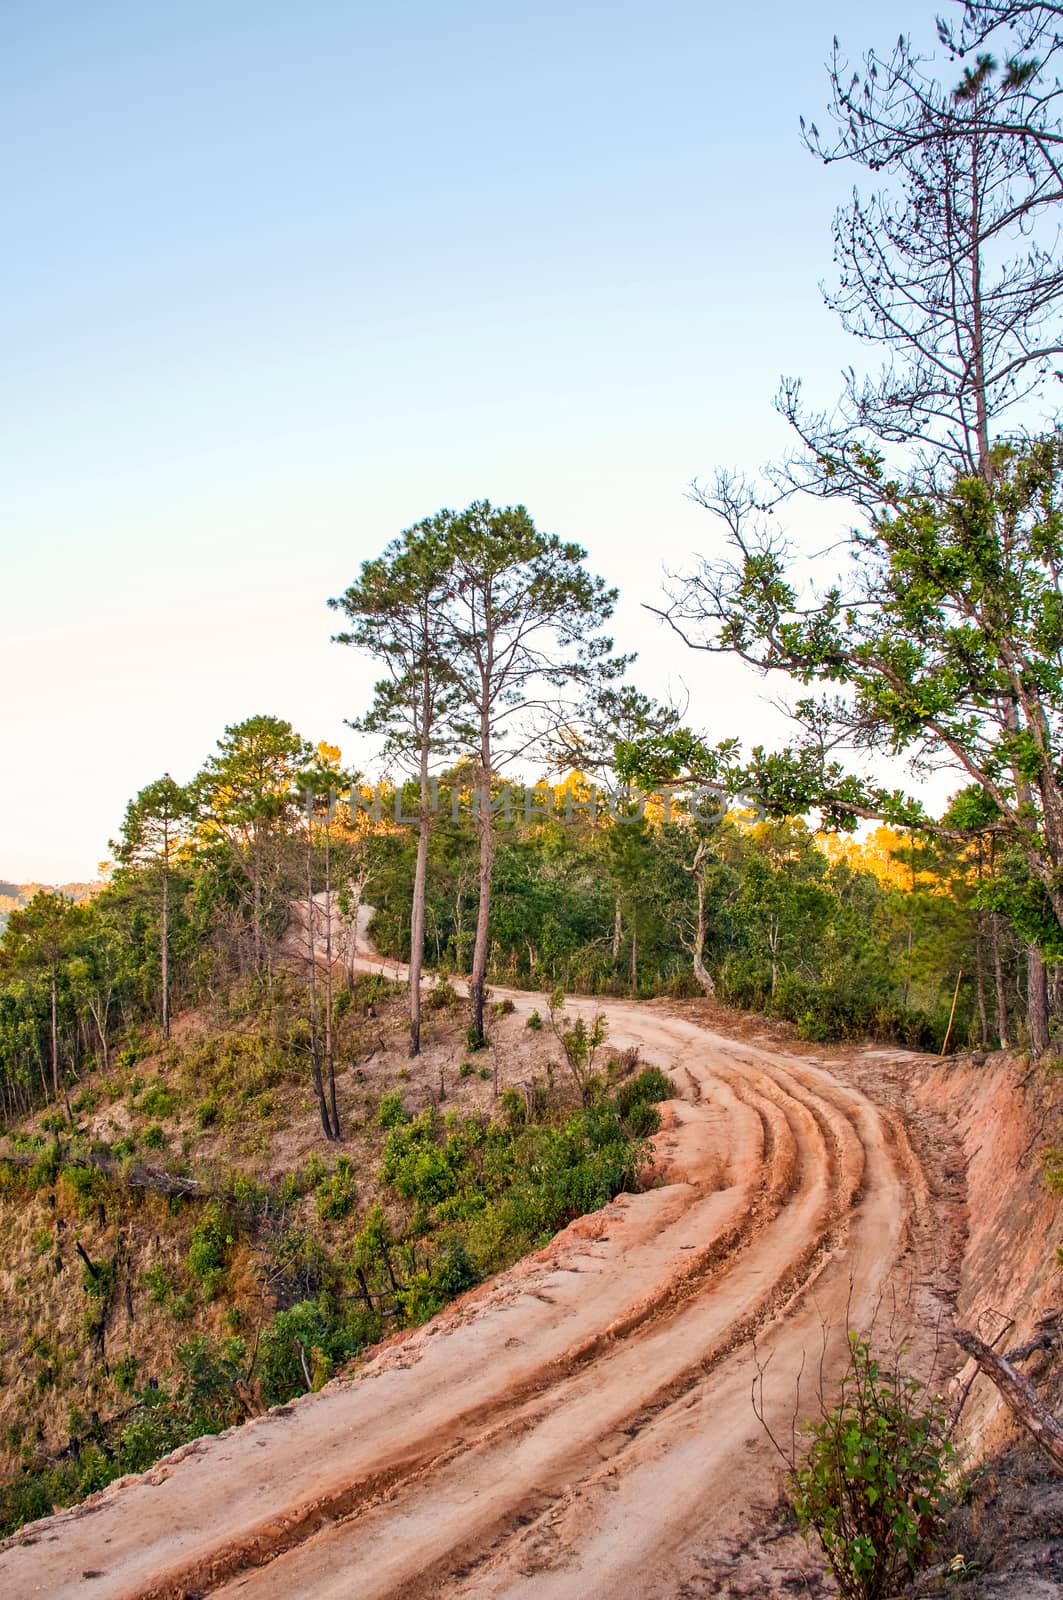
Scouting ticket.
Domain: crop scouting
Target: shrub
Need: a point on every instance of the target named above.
(874, 1483)
(154, 1139)
(158, 1284)
(534, 1022)
(124, 1373)
(158, 1101)
(643, 1091)
(391, 1113)
(337, 1194)
(473, 1041)
(207, 1114)
(87, 1185)
(579, 1042)
(442, 997)
(208, 1251)
(503, 1008)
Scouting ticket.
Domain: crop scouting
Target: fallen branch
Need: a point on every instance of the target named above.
(1016, 1390)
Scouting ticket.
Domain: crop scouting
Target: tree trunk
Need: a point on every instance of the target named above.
(330, 1048)
(420, 874)
(315, 1034)
(634, 959)
(979, 978)
(256, 908)
(998, 980)
(618, 930)
(701, 973)
(55, 1037)
(483, 915)
(1018, 1393)
(1036, 1001)
(165, 938)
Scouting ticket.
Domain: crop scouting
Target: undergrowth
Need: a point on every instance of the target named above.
(464, 1196)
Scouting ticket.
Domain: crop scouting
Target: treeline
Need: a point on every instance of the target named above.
(200, 893)
(625, 899)
(845, 943)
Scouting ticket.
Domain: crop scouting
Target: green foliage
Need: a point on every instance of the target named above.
(212, 1239)
(123, 1374)
(874, 1484)
(337, 1194)
(158, 1283)
(157, 1100)
(88, 1186)
(391, 1112)
(579, 1041)
(442, 996)
(534, 1022)
(98, 1280)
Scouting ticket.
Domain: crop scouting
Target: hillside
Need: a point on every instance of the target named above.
(187, 1250)
(584, 1420)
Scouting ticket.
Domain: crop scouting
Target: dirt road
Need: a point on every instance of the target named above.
(581, 1426)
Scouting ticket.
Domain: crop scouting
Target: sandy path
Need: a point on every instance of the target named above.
(582, 1425)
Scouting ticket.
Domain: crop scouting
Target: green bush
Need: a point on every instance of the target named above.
(337, 1194)
(212, 1239)
(158, 1101)
(154, 1138)
(207, 1113)
(534, 1022)
(88, 1185)
(646, 1088)
(123, 1374)
(391, 1112)
(442, 997)
(158, 1283)
(874, 1485)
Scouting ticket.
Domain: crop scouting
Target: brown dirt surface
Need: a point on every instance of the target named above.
(582, 1425)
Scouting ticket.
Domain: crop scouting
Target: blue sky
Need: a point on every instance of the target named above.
(278, 281)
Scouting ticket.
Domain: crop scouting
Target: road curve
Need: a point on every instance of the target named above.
(580, 1426)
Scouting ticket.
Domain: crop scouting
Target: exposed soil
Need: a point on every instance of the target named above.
(582, 1425)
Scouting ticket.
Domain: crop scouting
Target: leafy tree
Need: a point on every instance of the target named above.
(522, 616)
(35, 945)
(948, 643)
(156, 825)
(397, 613)
(248, 801)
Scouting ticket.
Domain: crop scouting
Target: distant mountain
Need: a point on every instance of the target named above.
(13, 895)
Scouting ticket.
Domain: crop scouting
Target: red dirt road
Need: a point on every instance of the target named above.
(582, 1425)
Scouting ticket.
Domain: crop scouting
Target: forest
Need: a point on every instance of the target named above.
(846, 939)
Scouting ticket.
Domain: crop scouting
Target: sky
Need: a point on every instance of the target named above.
(280, 280)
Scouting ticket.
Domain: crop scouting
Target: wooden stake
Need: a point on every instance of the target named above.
(952, 1013)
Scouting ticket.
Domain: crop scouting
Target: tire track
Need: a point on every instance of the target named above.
(516, 1444)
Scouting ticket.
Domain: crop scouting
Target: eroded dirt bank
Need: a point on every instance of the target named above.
(581, 1426)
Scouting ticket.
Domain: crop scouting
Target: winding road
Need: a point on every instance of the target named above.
(581, 1426)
